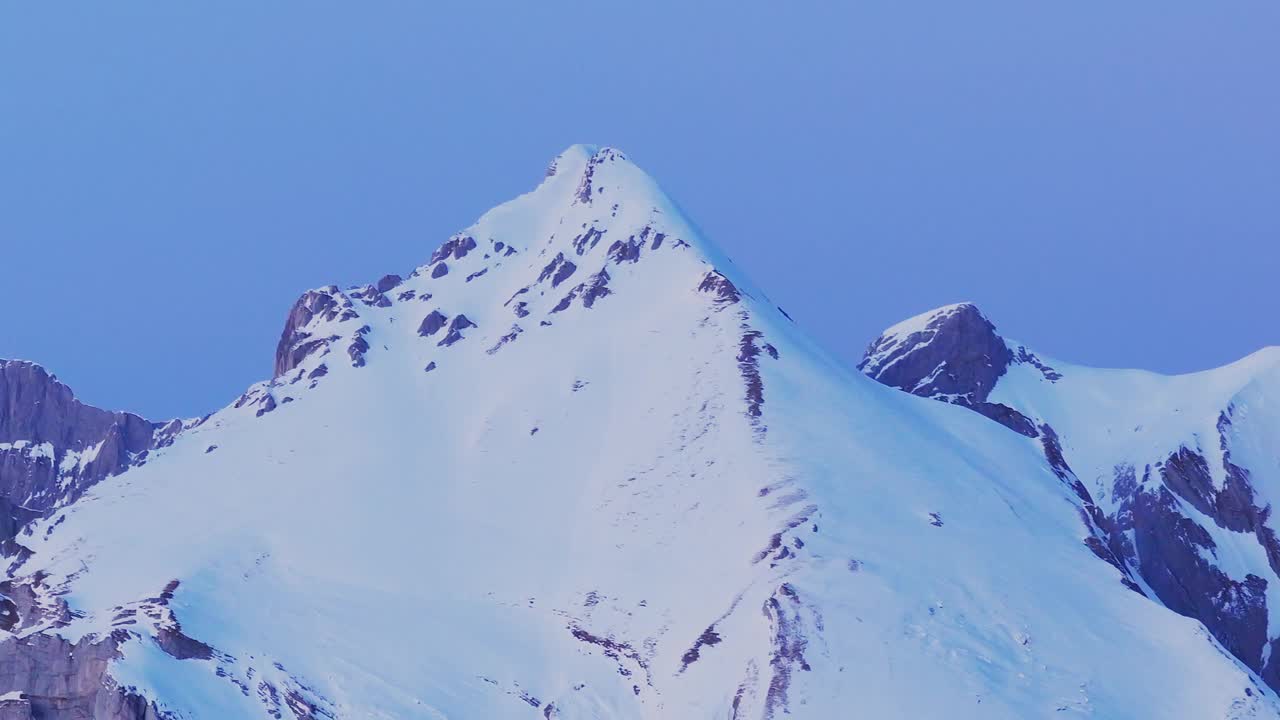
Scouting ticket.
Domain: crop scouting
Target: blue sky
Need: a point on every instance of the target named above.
(1102, 178)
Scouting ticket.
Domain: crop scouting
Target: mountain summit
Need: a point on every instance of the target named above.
(577, 466)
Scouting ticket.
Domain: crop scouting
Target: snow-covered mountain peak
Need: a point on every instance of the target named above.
(576, 466)
(952, 329)
(596, 227)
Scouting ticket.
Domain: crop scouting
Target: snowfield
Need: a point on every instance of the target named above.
(623, 486)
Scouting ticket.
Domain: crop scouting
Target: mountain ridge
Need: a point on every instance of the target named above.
(1180, 505)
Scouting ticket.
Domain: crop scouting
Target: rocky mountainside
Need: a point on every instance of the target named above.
(53, 447)
(1179, 473)
(577, 466)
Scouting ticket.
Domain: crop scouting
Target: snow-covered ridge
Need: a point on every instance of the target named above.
(577, 466)
(1180, 472)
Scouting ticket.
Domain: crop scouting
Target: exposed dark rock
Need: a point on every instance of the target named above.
(510, 336)
(41, 422)
(785, 614)
(708, 638)
(586, 185)
(456, 247)
(1104, 540)
(956, 356)
(369, 295)
(178, 645)
(567, 300)
(388, 282)
(625, 251)
(515, 295)
(627, 657)
(1027, 357)
(587, 240)
(1172, 551)
(456, 326)
(65, 681)
(1187, 475)
(267, 405)
(430, 366)
(725, 292)
(432, 323)
(477, 274)
(559, 270)
(359, 346)
(749, 367)
(296, 343)
(440, 270)
(596, 287)
(1006, 416)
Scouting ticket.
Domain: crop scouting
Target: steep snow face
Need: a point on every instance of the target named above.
(1182, 471)
(576, 466)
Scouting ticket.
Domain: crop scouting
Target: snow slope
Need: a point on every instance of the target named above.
(587, 470)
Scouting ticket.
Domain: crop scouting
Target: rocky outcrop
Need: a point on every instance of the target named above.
(558, 270)
(454, 248)
(50, 678)
(953, 355)
(456, 326)
(53, 447)
(297, 342)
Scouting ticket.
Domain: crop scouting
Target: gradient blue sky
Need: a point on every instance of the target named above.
(1102, 178)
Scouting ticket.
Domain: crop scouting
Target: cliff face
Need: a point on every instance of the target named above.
(53, 447)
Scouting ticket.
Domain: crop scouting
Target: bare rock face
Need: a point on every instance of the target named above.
(456, 247)
(59, 680)
(388, 282)
(558, 270)
(456, 326)
(721, 287)
(956, 353)
(296, 341)
(432, 323)
(955, 356)
(53, 447)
